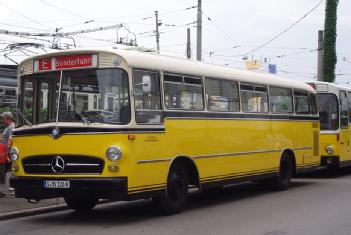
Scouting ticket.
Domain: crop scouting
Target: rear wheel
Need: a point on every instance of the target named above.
(81, 204)
(176, 196)
(283, 180)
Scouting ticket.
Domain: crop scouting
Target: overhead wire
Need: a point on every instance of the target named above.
(287, 29)
(23, 15)
(65, 10)
(220, 28)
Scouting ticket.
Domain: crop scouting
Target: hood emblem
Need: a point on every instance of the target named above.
(55, 133)
(58, 164)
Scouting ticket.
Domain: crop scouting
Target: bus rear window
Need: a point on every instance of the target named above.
(327, 105)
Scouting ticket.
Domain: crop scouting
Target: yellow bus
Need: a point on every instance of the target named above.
(126, 125)
(334, 106)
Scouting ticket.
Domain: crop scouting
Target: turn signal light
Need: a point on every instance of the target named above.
(113, 168)
(14, 167)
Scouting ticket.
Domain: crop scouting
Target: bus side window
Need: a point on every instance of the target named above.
(147, 97)
(313, 104)
(344, 116)
(254, 98)
(349, 105)
(222, 95)
(184, 93)
(302, 102)
(28, 100)
(44, 105)
(281, 100)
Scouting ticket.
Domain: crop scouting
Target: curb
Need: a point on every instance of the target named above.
(30, 212)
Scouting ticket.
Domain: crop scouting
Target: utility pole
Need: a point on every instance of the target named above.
(188, 44)
(320, 65)
(199, 31)
(157, 32)
(330, 25)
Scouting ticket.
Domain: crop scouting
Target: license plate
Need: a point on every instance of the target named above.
(56, 184)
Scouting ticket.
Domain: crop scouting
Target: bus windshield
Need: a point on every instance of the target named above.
(327, 105)
(88, 96)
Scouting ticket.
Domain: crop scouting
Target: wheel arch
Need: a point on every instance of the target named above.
(191, 168)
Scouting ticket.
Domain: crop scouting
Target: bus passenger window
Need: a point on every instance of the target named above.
(302, 103)
(222, 95)
(344, 116)
(28, 101)
(349, 105)
(183, 92)
(254, 98)
(328, 108)
(147, 96)
(44, 102)
(313, 104)
(281, 100)
(10, 96)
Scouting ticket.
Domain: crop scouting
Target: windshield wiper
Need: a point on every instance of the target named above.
(84, 119)
(23, 116)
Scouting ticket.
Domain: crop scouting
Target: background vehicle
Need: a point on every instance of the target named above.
(125, 125)
(334, 106)
(8, 90)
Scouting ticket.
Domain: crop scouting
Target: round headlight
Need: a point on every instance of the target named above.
(329, 149)
(14, 154)
(114, 153)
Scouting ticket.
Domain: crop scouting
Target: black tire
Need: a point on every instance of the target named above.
(81, 204)
(283, 180)
(176, 196)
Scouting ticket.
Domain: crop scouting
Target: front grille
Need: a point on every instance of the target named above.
(72, 164)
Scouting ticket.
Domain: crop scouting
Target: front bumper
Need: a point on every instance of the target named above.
(330, 161)
(102, 188)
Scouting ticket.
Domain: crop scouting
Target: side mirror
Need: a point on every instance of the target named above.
(146, 84)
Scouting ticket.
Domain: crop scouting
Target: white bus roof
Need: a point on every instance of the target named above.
(327, 87)
(152, 61)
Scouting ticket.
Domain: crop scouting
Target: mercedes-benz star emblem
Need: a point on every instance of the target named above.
(58, 164)
(55, 133)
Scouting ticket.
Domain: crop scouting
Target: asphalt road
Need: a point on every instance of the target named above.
(317, 203)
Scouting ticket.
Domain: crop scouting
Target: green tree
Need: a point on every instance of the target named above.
(330, 57)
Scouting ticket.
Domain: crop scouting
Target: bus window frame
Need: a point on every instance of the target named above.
(309, 103)
(292, 101)
(340, 110)
(338, 113)
(162, 105)
(315, 102)
(254, 91)
(221, 79)
(165, 73)
(349, 104)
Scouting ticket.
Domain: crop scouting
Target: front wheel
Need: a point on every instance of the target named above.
(81, 204)
(177, 191)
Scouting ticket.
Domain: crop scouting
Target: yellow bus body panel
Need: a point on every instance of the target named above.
(220, 149)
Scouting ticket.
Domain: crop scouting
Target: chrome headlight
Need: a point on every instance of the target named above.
(114, 153)
(14, 154)
(329, 149)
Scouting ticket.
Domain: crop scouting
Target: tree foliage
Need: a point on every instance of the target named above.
(330, 57)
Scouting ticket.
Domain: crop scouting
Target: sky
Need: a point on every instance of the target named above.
(230, 29)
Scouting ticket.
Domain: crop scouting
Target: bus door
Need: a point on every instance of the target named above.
(42, 89)
(345, 148)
